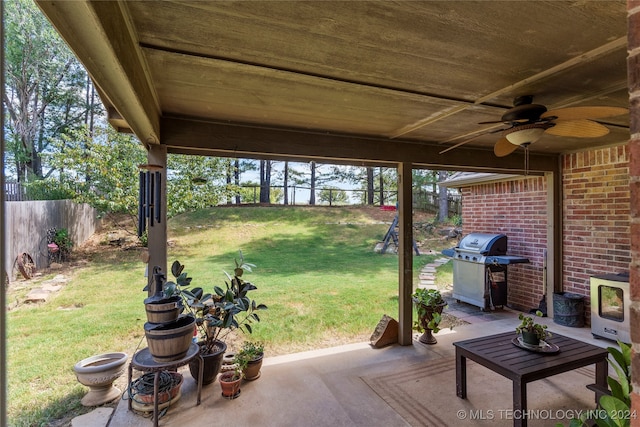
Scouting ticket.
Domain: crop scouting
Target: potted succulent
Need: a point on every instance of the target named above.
(532, 333)
(217, 314)
(230, 380)
(251, 355)
(429, 305)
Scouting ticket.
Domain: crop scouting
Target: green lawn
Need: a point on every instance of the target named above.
(316, 271)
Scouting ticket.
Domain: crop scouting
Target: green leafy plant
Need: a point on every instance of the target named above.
(221, 312)
(251, 350)
(426, 300)
(528, 325)
(618, 403)
(240, 363)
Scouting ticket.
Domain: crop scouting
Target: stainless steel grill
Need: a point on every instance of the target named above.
(480, 269)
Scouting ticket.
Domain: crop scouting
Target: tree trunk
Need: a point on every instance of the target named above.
(312, 196)
(443, 205)
(228, 179)
(286, 182)
(381, 180)
(236, 179)
(265, 180)
(369, 185)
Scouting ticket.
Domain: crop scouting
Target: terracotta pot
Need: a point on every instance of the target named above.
(212, 363)
(164, 395)
(230, 385)
(252, 371)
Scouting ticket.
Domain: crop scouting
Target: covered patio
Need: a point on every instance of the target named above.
(396, 84)
(357, 385)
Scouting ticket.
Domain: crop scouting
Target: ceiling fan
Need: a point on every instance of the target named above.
(528, 122)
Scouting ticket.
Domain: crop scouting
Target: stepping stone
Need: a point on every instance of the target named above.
(99, 417)
(48, 287)
(423, 276)
(38, 295)
(428, 269)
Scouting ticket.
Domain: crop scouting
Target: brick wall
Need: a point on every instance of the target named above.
(518, 209)
(595, 231)
(633, 71)
(596, 228)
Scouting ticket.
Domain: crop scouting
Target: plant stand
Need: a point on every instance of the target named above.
(427, 337)
(143, 361)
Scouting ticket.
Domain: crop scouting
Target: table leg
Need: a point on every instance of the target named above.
(129, 384)
(156, 379)
(461, 375)
(200, 374)
(602, 371)
(519, 403)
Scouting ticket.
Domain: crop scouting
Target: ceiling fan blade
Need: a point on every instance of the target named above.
(503, 147)
(504, 121)
(578, 128)
(577, 113)
(490, 122)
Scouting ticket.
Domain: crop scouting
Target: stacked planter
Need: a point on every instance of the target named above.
(168, 333)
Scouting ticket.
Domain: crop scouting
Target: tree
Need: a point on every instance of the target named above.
(333, 196)
(265, 180)
(195, 182)
(46, 93)
(109, 158)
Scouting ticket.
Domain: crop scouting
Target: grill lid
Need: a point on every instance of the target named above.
(484, 244)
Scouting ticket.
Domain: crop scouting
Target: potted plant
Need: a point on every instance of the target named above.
(251, 354)
(532, 333)
(429, 305)
(230, 380)
(217, 314)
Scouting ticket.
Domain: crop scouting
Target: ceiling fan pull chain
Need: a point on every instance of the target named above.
(526, 158)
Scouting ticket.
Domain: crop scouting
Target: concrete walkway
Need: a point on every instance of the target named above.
(325, 387)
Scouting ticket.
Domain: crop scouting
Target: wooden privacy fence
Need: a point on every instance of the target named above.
(14, 192)
(26, 225)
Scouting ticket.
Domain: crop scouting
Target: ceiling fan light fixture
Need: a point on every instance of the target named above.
(525, 133)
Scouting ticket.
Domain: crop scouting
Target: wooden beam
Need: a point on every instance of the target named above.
(99, 33)
(157, 233)
(405, 254)
(241, 140)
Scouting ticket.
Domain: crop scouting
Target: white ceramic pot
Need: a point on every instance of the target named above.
(98, 373)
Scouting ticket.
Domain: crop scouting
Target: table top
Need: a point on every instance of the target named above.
(498, 353)
(143, 359)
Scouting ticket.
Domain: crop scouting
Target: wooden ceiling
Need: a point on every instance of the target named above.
(361, 82)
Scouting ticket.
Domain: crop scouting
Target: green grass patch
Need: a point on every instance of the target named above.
(316, 271)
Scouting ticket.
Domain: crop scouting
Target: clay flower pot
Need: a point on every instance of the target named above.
(230, 384)
(252, 371)
(98, 373)
(168, 388)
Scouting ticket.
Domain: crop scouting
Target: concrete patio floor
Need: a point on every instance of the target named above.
(325, 387)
